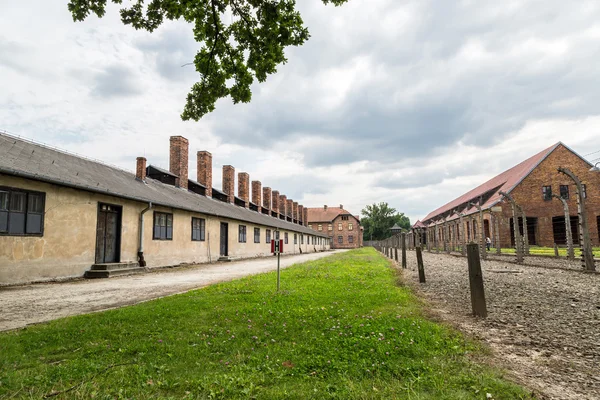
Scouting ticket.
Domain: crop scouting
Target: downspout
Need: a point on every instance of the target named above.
(141, 261)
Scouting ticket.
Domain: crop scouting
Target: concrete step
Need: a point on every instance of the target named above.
(113, 266)
(95, 274)
(228, 258)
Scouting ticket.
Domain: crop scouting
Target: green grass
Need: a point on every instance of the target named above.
(341, 328)
(537, 251)
(549, 251)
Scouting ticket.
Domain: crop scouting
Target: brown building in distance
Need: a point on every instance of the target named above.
(532, 184)
(343, 228)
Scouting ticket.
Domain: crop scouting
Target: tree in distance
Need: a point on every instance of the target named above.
(379, 218)
(232, 54)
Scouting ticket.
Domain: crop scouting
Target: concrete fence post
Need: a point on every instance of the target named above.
(476, 281)
(404, 250)
(420, 266)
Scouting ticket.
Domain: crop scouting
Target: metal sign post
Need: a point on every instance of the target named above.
(277, 248)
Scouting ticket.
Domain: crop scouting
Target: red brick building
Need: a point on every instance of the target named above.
(343, 228)
(531, 183)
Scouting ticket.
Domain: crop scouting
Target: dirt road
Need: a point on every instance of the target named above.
(28, 304)
(543, 322)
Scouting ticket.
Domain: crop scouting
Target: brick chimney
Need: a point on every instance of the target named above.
(325, 207)
(256, 194)
(305, 217)
(267, 199)
(341, 206)
(244, 188)
(140, 169)
(300, 214)
(295, 211)
(275, 201)
(283, 205)
(204, 165)
(229, 182)
(178, 160)
(290, 205)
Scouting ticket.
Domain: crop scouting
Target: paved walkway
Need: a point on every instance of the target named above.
(28, 304)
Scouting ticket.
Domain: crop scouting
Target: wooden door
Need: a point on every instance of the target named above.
(224, 238)
(108, 234)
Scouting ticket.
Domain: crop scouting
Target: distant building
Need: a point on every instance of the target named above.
(343, 228)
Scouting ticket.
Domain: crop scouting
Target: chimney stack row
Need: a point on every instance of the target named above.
(264, 198)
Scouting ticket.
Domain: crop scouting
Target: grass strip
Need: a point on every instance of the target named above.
(341, 328)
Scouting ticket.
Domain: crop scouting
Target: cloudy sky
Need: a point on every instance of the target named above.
(408, 102)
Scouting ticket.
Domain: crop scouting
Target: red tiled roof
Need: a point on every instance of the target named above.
(320, 214)
(505, 182)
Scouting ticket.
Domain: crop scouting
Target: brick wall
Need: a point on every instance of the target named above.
(528, 194)
(345, 232)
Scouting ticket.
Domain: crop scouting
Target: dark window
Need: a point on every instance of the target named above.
(350, 239)
(276, 235)
(256, 235)
(268, 236)
(564, 192)
(21, 212)
(242, 234)
(344, 218)
(163, 226)
(584, 190)
(295, 238)
(301, 239)
(285, 238)
(340, 239)
(547, 193)
(198, 229)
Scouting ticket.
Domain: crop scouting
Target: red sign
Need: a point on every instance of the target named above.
(276, 246)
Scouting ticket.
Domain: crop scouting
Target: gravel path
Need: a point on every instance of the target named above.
(28, 304)
(543, 322)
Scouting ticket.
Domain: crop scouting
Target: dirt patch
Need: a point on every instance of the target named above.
(543, 322)
(30, 304)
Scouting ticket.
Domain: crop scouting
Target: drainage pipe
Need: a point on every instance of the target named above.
(141, 261)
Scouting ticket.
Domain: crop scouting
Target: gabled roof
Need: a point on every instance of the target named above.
(418, 224)
(19, 157)
(505, 182)
(320, 214)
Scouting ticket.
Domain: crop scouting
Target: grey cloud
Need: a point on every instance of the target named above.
(116, 81)
(298, 185)
(477, 101)
(170, 49)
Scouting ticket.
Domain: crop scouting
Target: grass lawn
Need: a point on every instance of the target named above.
(549, 251)
(341, 328)
(539, 251)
